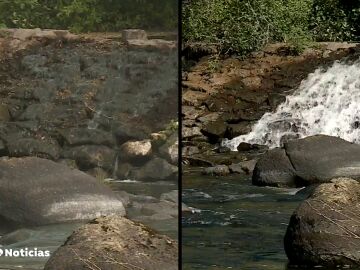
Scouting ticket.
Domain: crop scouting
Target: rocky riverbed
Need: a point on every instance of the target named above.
(94, 115)
(230, 98)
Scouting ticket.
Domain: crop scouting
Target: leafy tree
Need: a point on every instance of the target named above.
(90, 15)
(242, 26)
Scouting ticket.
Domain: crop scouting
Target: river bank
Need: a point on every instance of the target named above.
(231, 209)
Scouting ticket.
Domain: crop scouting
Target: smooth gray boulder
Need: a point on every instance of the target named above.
(324, 229)
(115, 243)
(303, 162)
(35, 191)
(274, 169)
(321, 158)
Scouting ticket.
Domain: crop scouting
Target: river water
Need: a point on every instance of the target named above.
(52, 236)
(235, 225)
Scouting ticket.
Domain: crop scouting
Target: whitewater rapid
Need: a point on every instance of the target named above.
(327, 102)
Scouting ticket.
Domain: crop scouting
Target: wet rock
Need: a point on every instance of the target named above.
(235, 130)
(141, 199)
(81, 136)
(36, 191)
(185, 208)
(157, 168)
(4, 113)
(276, 99)
(218, 170)
(247, 166)
(170, 150)
(288, 137)
(172, 196)
(168, 209)
(320, 158)
(136, 151)
(115, 240)
(214, 130)
(275, 169)
(47, 148)
(91, 156)
(244, 147)
(324, 229)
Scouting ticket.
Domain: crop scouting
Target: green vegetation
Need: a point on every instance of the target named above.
(89, 15)
(243, 26)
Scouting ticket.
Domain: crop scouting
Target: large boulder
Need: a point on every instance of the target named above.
(115, 243)
(274, 169)
(321, 158)
(158, 169)
(35, 191)
(136, 151)
(302, 162)
(324, 229)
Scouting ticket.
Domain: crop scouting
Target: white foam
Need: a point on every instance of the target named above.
(327, 102)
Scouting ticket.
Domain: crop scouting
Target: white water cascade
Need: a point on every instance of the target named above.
(327, 102)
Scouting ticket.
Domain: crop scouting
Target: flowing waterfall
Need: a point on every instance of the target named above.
(327, 102)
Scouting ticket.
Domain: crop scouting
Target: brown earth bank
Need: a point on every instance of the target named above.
(222, 97)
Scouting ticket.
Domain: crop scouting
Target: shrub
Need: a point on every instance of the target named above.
(335, 20)
(243, 26)
(90, 15)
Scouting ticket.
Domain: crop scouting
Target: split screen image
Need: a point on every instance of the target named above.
(165, 135)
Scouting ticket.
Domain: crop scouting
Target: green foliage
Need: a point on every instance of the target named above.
(90, 15)
(335, 20)
(243, 26)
